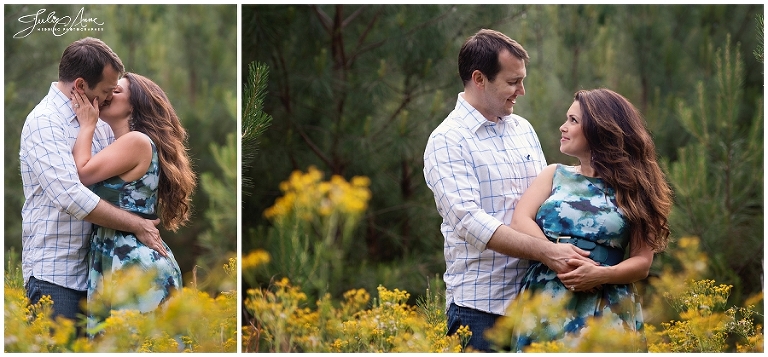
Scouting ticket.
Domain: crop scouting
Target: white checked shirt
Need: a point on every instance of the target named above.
(477, 171)
(54, 236)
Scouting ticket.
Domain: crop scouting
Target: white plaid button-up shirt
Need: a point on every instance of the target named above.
(477, 171)
(54, 236)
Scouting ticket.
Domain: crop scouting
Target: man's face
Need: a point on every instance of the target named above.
(103, 90)
(500, 96)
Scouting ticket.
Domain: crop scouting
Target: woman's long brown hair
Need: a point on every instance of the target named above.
(624, 155)
(154, 115)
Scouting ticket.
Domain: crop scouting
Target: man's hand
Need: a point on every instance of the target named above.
(561, 257)
(108, 215)
(150, 236)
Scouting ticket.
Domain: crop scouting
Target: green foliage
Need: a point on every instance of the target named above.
(718, 180)
(191, 321)
(759, 51)
(255, 121)
(220, 240)
(369, 87)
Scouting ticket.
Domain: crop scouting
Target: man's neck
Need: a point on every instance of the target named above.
(65, 88)
(469, 98)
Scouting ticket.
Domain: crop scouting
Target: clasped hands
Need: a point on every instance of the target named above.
(574, 268)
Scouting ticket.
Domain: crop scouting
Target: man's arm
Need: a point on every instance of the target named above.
(451, 177)
(107, 215)
(508, 241)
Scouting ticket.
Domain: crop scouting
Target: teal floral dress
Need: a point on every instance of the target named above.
(584, 207)
(114, 252)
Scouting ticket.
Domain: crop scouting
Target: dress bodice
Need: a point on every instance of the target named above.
(139, 196)
(584, 207)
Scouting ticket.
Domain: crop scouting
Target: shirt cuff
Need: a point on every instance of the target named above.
(83, 203)
(480, 229)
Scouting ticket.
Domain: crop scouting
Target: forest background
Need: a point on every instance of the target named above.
(188, 50)
(355, 90)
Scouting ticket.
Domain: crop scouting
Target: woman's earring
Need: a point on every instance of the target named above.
(131, 123)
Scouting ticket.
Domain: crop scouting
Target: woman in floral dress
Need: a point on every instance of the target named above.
(617, 200)
(146, 170)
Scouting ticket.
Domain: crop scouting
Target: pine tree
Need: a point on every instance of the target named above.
(255, 121)
(718, 178)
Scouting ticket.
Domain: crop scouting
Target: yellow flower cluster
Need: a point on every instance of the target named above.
(702, 296)
(704, 326)
(28, 328)
(354, 301)
(307, 196)
(254, 259)
(390, 325)
(190, 321)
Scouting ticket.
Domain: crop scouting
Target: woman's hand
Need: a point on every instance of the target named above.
(87, 113)
(585, 276)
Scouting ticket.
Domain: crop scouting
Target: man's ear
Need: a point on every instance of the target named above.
(478, 78)
(80, 85)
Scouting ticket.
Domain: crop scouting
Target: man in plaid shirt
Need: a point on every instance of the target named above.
(478, 162)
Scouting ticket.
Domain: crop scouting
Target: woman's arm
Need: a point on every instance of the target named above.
(539, 248)
(634, 268)
(128, 157)
(524, 217)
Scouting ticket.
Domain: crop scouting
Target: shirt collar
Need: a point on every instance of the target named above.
(62, 102)
(472, 117)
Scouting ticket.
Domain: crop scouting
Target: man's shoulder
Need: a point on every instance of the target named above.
(452, 125)
(44, 112)
(51, 104)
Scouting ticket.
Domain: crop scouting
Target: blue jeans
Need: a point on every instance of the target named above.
(478, 322)
(66, 302)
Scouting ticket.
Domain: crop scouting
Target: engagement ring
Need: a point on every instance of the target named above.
(572, 288)
(77, 105)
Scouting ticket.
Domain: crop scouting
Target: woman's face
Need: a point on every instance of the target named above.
(572, 139)
(119, 108)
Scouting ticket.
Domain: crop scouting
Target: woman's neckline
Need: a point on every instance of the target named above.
(577, 170)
